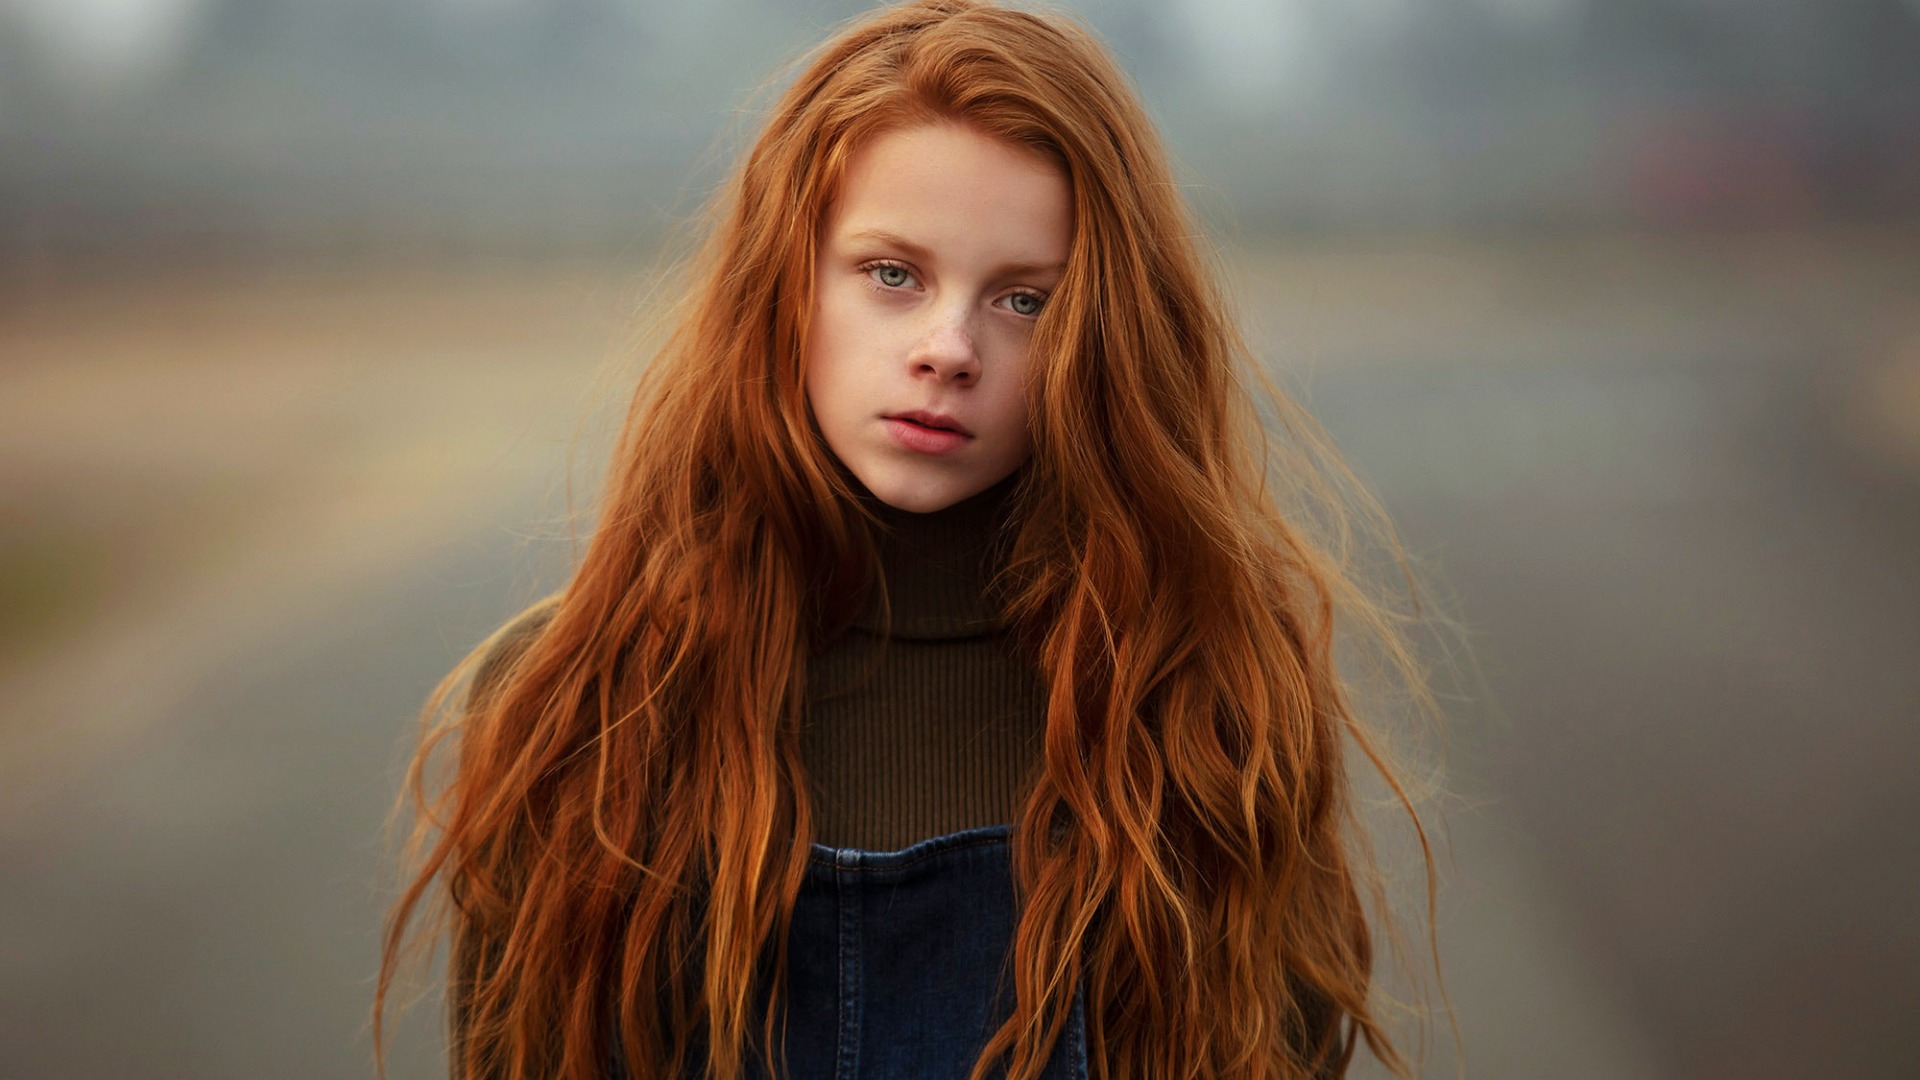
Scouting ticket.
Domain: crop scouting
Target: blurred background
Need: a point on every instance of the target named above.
(314, 317)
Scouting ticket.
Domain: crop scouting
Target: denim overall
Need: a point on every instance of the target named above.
(896, 961)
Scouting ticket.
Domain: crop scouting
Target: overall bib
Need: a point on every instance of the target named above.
(896, 963)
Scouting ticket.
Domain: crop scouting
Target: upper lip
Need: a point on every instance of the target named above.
(932, 419)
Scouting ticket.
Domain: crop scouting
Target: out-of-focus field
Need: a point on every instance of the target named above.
(187, 462)
(1669, 480)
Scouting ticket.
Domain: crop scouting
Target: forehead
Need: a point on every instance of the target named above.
(945, 185)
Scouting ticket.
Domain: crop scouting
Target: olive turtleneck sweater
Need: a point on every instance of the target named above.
(932, 729)
(925, 732)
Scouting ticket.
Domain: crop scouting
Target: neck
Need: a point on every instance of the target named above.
(938, 566)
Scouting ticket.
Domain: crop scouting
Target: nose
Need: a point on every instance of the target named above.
(946, 351)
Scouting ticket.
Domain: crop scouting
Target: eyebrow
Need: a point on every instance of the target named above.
(920, 252)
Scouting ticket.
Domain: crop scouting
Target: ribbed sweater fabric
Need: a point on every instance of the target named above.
(925, 731)
(933, 728)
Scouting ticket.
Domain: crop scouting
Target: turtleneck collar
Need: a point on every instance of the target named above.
(938, 565)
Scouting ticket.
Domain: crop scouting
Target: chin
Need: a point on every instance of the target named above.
(921, 501)
(919, 496)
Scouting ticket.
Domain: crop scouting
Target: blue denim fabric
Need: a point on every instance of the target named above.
(896, 963)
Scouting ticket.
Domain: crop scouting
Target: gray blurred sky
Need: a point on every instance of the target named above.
(455, 126)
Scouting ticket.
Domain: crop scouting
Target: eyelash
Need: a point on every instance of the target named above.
(866, 278)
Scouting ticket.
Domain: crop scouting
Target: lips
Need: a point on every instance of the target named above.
(933, 420)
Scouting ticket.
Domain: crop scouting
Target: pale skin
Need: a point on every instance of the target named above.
(934, 260)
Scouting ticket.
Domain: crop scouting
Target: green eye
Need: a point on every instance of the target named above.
(893, 277)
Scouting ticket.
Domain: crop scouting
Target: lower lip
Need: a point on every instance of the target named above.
(925, 440)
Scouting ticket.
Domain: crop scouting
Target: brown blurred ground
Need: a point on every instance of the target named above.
(184, 462)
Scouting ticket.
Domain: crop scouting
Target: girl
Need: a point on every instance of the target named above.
(942, 692)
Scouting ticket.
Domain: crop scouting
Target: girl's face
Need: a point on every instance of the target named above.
(933, 263)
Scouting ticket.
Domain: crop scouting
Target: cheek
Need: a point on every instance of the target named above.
(1010, 398)
(835, 328)
(824, 350)
(847, 347)
(836, 383)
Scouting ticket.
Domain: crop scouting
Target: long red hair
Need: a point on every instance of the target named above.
(626, 825)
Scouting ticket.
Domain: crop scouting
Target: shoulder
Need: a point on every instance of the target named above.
(504, 647)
